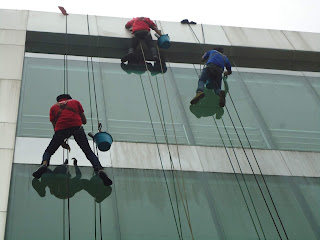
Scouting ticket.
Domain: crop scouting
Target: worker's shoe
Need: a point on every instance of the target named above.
(41, 170)
(156, 59)
(104, 177)
(198, 96)
(127, 57)
(222, 100)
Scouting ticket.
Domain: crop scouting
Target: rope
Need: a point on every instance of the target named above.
(154, 133)
(65, 90)
(95, 149)
(252, 202)
(176, 141)
(255, 158)
(256, 163)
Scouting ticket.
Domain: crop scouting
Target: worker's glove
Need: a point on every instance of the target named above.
(65, 145)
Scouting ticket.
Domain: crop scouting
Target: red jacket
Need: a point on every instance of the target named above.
(66, 118)
(140, 23)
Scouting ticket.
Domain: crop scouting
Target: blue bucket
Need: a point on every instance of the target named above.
(103, 141)
(164, 41)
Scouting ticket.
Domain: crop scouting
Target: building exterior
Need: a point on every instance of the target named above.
(248, 171)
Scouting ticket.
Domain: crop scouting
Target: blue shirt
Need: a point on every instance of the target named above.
(218, 59)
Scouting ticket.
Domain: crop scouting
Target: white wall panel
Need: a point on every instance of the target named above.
(302, 163)
(252, 37)
(3, 217)
(113, 27)
(9, 99)
(215, 35)
(186, 155)
(8, 135)
(56, 22)
(270, 162)
(13, 37)
(214, 159)
(11, 61)
(6, 156)
(13, 19)
(135, 155)
(30, 151)
(304, 41)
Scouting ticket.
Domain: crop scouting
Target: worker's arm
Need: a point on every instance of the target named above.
(129, 24)
(204, 57)
(227, 72)
(83, 118)
(155, 28)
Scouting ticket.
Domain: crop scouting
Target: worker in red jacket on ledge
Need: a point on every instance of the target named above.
(67, 117)
(140, 28)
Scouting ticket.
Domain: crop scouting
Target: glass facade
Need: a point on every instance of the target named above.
(277, 109)
(137, 206)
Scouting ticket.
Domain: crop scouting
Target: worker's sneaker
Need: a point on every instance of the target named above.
(41, 170)
(222, 100)
(198, 96)
(127, 57)
(104, 177)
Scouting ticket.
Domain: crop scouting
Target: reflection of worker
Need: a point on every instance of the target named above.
(67, 117)
(62, 186)
(140, 28)
(216, 62)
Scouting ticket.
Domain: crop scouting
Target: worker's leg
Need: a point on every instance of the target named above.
(200, 94)
(54, 144)
(217, 80)
(153, 50)
(81, 139)
(130, 54)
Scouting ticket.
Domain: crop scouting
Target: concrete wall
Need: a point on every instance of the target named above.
(246, 47)
(13, 26)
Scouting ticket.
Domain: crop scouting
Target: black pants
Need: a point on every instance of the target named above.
(81, 139)
(142, 35)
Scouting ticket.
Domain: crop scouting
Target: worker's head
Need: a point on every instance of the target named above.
(63, 97)
(219, 49)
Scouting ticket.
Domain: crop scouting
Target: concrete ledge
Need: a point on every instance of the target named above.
(192, 158)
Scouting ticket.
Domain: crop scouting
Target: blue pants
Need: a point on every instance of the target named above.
(212, 73)
(81, 139)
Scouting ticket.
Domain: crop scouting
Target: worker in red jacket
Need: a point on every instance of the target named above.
(67, 117)
(140, 28)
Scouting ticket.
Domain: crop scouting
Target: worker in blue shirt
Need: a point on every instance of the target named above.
(216, 62)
